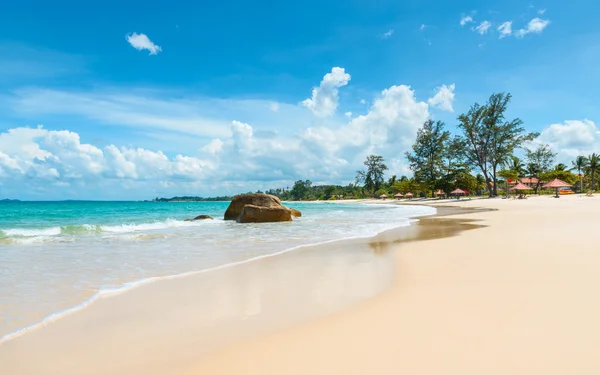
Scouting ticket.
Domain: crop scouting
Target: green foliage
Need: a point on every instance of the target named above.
(565, 176)
(427, 158)
(372, 178)
(539, 162)
(489, 138)
(592, 167)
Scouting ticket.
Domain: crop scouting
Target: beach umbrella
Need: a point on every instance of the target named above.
(383, 196)
(408, 195)
(439, 192)
(457, 192)
(520, 187)
(556, 184)
(398, 196)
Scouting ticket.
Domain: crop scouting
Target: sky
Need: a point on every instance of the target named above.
(136, 100)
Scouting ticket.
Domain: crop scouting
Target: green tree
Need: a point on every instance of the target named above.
(592, 167)
(560, 167)
(372, 178)
(300, 189)
(480, 183)
(489, 138)
(539, 162)
(579, 164)
(515, 165)
(427, 157)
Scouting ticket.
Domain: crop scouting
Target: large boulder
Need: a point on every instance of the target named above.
(258, 214)
(200, 217)
(239, 201)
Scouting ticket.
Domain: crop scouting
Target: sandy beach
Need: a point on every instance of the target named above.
(515, 297)
(507, 290)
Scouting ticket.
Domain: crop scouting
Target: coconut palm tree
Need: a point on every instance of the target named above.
(592, 166)
(515, 165)
(560, 167)
(579, 164)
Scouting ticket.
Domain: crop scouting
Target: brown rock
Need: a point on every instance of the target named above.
(201, 217)
(296, 213)
(239, 201)
(257, 214)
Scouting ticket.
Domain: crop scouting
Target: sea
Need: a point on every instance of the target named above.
(57, 257)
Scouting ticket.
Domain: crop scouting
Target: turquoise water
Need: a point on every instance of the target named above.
(54, 256)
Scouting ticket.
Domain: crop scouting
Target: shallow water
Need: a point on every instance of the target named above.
(56, 255)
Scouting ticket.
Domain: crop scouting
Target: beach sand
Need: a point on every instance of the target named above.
(515, 295)
(519, 296)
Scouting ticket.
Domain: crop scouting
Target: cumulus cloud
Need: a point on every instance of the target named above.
(324, 100)
(443, 98)
(535, 26)
(465, 20)
(572, 138)
(387, 34)
(483, 27)
(141, 42)
(505, 29)
(348, 114)
(40, 159)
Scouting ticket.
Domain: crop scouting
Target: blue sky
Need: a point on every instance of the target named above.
(218, 98)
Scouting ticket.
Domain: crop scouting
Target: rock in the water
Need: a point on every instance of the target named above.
(257, 214)
(237, 204)
(201, 217)
(296, 213)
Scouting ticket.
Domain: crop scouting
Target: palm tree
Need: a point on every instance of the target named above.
(592, 166)
(579, 164)
(515, 165)
(532, 171)
(560, 167)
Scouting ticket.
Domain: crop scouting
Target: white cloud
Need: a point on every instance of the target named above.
(465, 20)
(535, 26)
(387, 34)
(141, 42)
(274, 107)
(572, 138)
(422, 27)
(40, 159)
(505, 29)
(324, 100)
(541, 11)
(177, 113)
(58, 164)
(362, 101)
(443, 98)
(348, 114)
(483, 27)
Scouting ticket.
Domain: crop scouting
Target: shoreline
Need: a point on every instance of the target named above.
(31, 334)
(514, 297)
(132, 285)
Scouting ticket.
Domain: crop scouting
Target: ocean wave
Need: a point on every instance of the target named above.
(21, 232)
(107, 292)
(37, 235)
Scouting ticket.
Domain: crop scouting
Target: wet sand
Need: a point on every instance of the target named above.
(517, 296)
(168, 326)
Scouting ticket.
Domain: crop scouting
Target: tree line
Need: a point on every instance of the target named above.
(480, 159)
